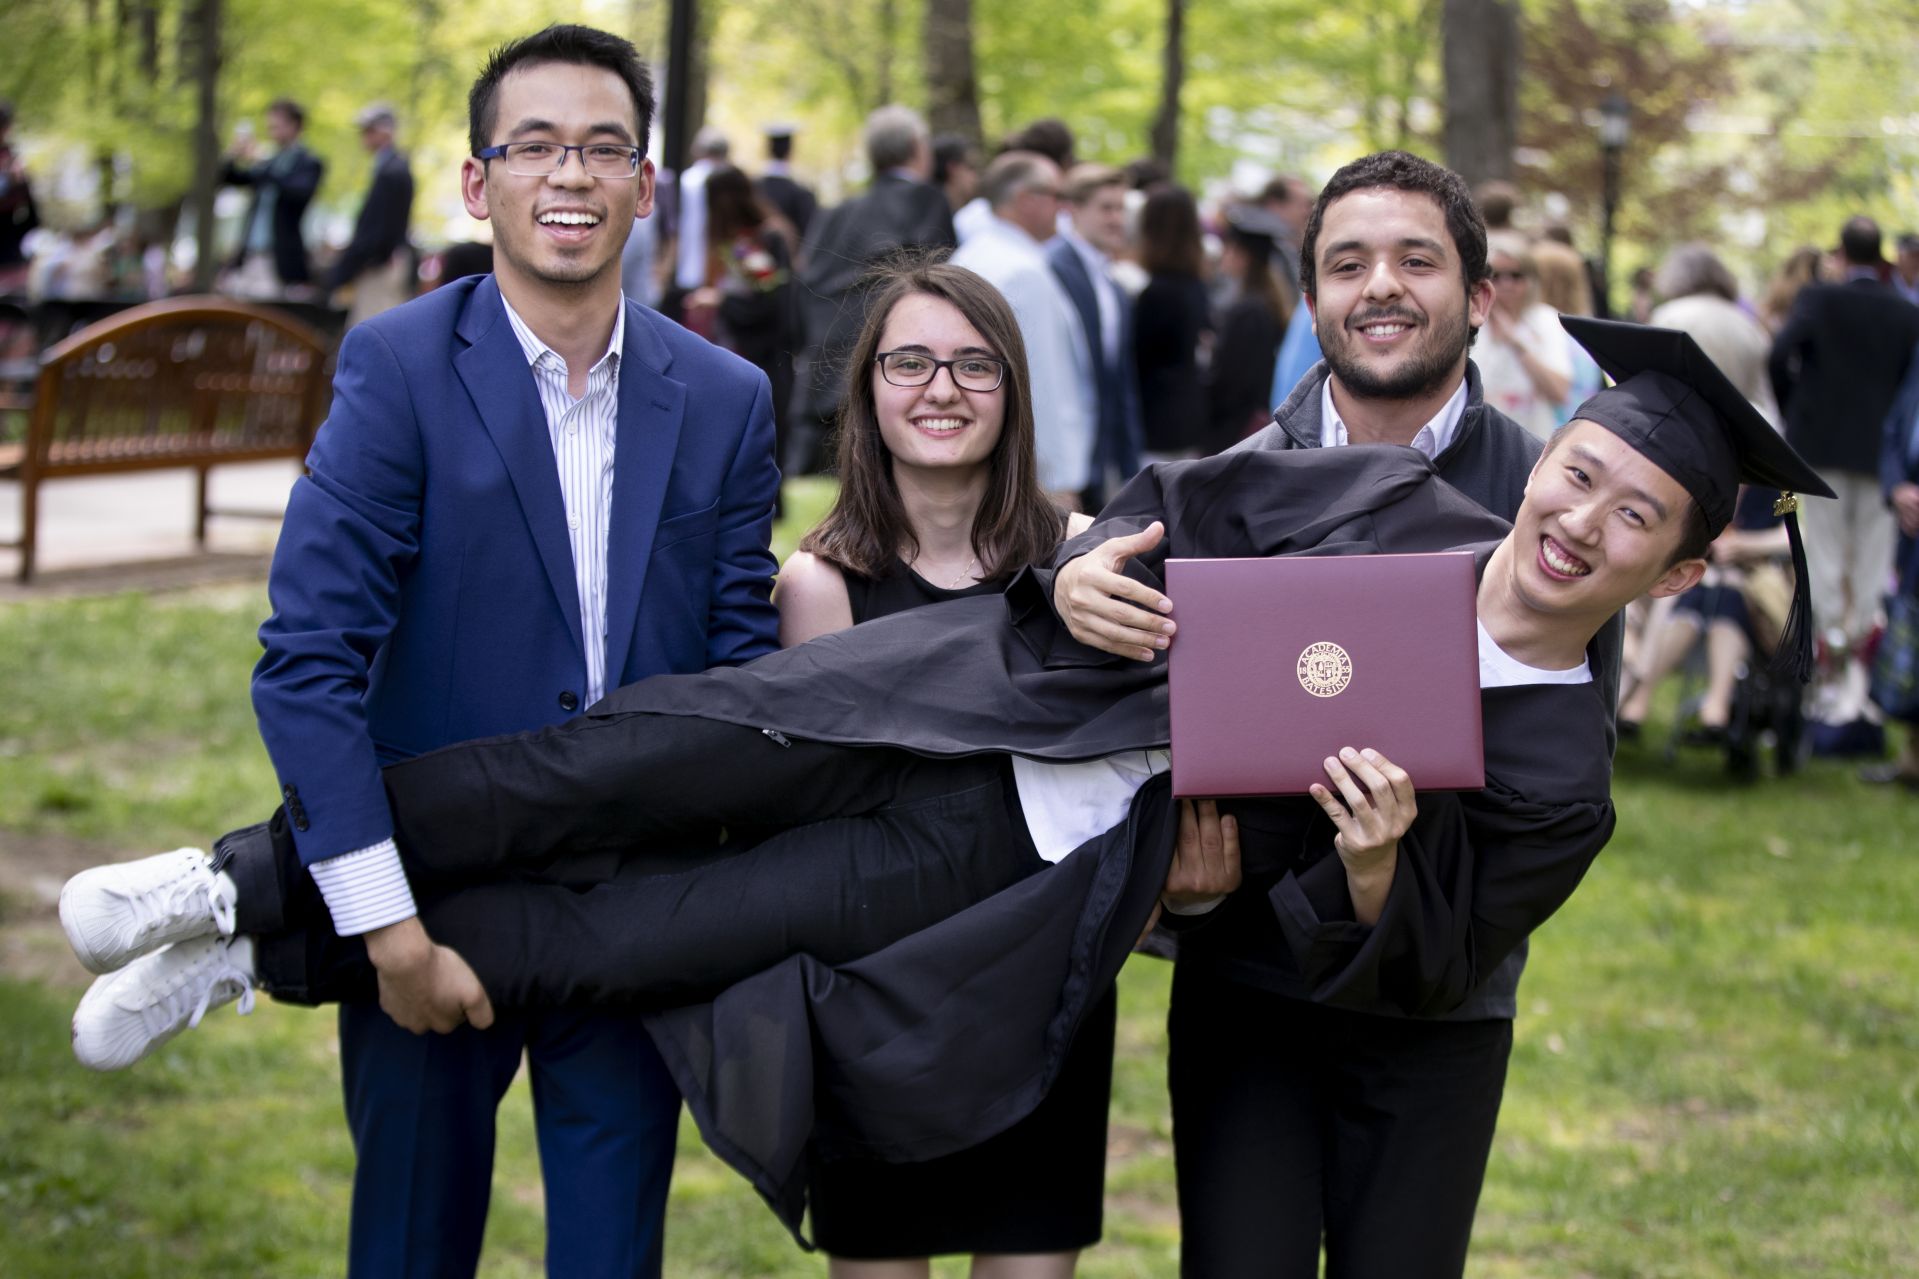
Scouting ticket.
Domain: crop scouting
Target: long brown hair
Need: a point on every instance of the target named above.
(1169, 239)
(867, 529)
(1799, 270)
(1258, 279)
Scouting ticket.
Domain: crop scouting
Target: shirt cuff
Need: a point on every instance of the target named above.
(1200, 907)
(365, 889)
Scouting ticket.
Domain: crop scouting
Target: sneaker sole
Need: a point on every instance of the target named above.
(94, 961)
(89, 959)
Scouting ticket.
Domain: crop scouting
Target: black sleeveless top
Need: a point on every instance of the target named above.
(900, 588)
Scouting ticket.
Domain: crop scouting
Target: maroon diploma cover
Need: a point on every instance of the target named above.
(1281, 662)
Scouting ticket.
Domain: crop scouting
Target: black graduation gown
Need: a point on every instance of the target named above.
(954, 1033)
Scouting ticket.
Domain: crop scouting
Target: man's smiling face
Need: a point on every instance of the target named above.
(1599, 527)
(1391, 306)
(568, 227)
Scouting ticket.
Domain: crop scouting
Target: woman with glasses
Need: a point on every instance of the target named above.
(1525, 367)
(939, 500)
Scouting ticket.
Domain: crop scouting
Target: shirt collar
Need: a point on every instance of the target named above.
(1432, 439)
(537, 350)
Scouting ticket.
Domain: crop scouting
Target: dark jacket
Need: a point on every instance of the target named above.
(1172, 315)
(1489, 459)
(1240, 377)
(1899, 464)
(381, 227)
(795, 203)
(1899, 436)
(1836, 366)
(1116, 436)
(898, 212)
(18, 213)
(293, 175)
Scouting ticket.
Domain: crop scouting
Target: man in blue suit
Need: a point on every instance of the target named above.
(528, 492)
(1081, 255)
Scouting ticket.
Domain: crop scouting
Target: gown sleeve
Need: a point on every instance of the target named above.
(1477, 872)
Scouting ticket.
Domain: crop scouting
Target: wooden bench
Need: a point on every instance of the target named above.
(190, 382)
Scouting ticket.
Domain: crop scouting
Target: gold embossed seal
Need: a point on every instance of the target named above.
(1324, 669)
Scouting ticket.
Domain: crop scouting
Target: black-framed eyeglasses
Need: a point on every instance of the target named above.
(540, 159)
(969, 372)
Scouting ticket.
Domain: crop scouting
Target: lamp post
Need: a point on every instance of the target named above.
(1615, 126)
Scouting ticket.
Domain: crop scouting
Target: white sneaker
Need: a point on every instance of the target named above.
(115, 914)
(126, 1015)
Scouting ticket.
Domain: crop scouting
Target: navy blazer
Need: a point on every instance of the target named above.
(1899, 437)
(1835, 368)
(294, 190)
(381, 228)
(1119, 436)
(423, 589)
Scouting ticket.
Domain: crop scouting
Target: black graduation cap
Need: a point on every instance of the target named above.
(1673, 405)
(1253, 227)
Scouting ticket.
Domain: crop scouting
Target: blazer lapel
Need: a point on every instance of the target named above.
(1079, 286)
(652, 407)
(494, 370)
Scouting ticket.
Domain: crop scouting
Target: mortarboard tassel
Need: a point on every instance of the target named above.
(1793, 658)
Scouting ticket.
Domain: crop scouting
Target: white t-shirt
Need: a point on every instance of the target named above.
(1499, 669)
(1503, 379)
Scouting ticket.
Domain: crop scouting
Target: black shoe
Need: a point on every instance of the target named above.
(1890, 773)
(1713, 735)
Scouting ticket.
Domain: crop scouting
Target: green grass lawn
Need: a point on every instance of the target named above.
(1717, 1068)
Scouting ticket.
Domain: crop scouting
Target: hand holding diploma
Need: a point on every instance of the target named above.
(1374, 807)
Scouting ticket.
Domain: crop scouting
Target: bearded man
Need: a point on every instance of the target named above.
(1393, 266)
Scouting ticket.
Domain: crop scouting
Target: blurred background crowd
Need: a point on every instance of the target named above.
(1721, 169)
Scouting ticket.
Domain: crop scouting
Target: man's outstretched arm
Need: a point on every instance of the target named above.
(1103, 608)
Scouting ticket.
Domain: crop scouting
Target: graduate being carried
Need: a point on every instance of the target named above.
(821, 871)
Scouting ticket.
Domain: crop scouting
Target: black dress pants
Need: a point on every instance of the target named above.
(1293, 1121)
(652, 859)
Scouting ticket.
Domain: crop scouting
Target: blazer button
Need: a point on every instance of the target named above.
(569, 701)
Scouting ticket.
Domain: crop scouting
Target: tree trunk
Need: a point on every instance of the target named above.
(675, 132)
(946, 50)
(147, 17)
(698, 68)
(889, 16)
(1173, 75)
(428, 62)
(1481, 57)
(203, 21)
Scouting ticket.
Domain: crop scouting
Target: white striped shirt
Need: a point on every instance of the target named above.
(582, 432)
(367, 888)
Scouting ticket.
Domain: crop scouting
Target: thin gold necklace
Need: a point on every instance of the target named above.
(965, 574)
